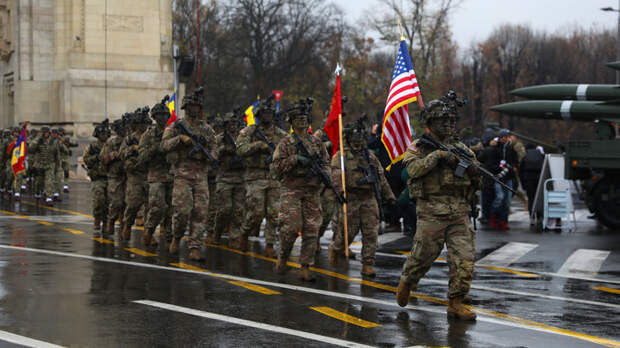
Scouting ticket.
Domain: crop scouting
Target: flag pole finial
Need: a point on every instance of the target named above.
(400, 30)
(338, 69)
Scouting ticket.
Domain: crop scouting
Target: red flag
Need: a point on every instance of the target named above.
(331, 126)
(171, 108)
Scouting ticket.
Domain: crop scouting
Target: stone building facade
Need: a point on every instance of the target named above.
(80, 61)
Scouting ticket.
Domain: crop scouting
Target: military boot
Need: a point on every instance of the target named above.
(368, 271)
(126, 232)
(281, 265)
(467, 299)
(404, 292)
(139, 221)
(234, 244)
(317, 252)
(195, 254)
(270, 251)
(109, 227)
(333, 256)
(305, 274)
(457, 310)
(147, 237)
(243, 245)
(97, 224)
(174, 245)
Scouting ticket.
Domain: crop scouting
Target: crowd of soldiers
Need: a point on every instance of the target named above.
(208, 177)
(46, 166)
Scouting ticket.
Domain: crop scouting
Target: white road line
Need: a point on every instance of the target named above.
(584, 261)
(508, 254)
(390, 237)
(254, 324)
(25, 341)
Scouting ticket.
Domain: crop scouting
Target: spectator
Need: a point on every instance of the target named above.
(487, 192)
(504, 163)
(529, 172)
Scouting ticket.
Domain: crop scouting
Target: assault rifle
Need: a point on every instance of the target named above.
(465, 160)
(229, 139)
(199, 142)
(259, 134)
(316, 168)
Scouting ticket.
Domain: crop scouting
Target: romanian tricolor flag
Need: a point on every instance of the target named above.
(249, 113)
(173, 114)
(19, 152)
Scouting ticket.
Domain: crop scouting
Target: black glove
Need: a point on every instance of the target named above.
(304, 161)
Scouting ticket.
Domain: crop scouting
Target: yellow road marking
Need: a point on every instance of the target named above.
(253, 287)
(524, 274)
(330, 312)
(102, 240)
(26, 217)
(73, 231)
(187, 266)
(402, 252)
(606, 289)
(140, 252)
(526, 322)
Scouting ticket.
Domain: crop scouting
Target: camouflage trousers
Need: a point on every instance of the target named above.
(427, 245)
(300, 212)
(136, 195)
(59, 178)
(329, 203)
(116, 197)
(230, 200)
(212, 207)
(12, 183)
(159, 207)
(362, 214)
(44, 181)
(98, 188)
(262, 197)
(190, 203)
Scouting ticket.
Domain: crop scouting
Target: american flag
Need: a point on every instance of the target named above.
(396, 130)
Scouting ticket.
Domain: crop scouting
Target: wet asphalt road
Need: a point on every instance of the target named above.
(61, 285)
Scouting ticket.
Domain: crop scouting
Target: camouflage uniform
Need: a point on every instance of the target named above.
(230, 189)
(262, 190)
(159, 177)
(190, 192)
(362, 207)
(116, 177)
(47, 150)
(59, 170)
(300, 201)
(136, 191)
(98, 175)
(329, 203)
(443, 207)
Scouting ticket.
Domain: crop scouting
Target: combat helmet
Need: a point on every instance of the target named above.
(141, 116)
(102, 129)
(118, 126)
(356, 129)
(193, 99)
(302, 108)
(445, 106)
(160, 112)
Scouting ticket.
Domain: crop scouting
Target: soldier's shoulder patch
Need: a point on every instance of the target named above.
(243, 131)
(413, 147)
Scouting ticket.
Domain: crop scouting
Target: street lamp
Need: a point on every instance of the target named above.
(610, 9)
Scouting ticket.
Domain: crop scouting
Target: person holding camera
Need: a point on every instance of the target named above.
(504, 164)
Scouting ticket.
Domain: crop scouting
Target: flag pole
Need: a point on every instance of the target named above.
(344, 189)
(402, 38)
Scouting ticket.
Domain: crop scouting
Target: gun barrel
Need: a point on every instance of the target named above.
(586, 111)
(569, 92)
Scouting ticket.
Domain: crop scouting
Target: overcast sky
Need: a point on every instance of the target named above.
(476, 19)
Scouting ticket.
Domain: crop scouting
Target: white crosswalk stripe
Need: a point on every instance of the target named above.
(507, 254)
(584, 261)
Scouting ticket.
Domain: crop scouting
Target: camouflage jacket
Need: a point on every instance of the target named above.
(129, 155)
(355, 169)
(111, 157)
(92, 159)
(288, 168)
(254, 152)
(231, 168)
(195, 167)
(47, 150)
(151, 155)
(439, 193)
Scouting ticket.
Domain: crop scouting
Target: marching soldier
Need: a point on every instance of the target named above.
(97, 173)
(300, 200)
(230, 190)
(47, 151)
(362, 171)
(262, 190)
(136, 191)
(443, 205)
(111, 158)
(159, 177)
(190, 166)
